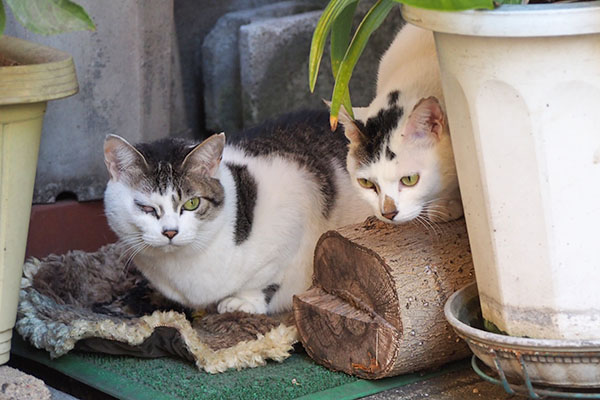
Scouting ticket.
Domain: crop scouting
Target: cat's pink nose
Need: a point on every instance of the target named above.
(390, 215)
(170, 233)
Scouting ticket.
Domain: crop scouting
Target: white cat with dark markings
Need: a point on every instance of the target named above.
(400, 157)
(233, 225)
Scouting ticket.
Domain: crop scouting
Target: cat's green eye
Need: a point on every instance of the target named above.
(192, 204)
(367, 184)
(410, 180)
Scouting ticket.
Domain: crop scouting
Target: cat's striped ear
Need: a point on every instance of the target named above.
(426, 121)
(120, 157)
(206, 157)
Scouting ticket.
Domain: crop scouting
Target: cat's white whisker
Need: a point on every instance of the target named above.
(426, 224)
(436, 218)
(136, 251)
(133, 245)
(436, 211)
(433, 200)
(131, 240)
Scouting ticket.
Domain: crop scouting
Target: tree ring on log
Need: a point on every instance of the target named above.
(353, 301)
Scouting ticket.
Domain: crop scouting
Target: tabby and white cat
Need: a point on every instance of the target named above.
(400, 157)
(234, 225)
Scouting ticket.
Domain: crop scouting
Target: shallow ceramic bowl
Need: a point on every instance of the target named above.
(566, 363)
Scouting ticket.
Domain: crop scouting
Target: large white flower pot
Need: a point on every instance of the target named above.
(522, 93)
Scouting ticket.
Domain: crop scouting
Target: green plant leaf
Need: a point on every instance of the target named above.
(48, 17)
(340, 38)
(368, 25)
(449, 5)
(347, 103)
(2, 18)
(330, 14)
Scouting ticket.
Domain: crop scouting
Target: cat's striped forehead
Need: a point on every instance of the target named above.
(377, 131)
(162, 172)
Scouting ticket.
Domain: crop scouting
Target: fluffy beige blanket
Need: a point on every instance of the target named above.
(100, 302)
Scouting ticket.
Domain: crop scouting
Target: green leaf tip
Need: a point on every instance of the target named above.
(449, 5)
(50, 17)
(2, 18)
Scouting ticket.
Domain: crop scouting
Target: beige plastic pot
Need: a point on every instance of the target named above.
(30, 75)
(522, 93)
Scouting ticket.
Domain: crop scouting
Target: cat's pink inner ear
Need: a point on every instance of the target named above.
(206, 157)
(351, 130)
(119, 156)
(426, 120)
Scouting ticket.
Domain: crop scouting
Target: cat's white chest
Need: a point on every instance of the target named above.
(192, 278)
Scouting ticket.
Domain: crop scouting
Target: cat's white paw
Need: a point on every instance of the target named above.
(445, 210)
(240, 303)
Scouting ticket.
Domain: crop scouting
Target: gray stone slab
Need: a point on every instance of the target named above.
(221, 63)
(124, 72)
(193, 20)
(457, 385)
(17, 385)
(274, 65)
(58, 395)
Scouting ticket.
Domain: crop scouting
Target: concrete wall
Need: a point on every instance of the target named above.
(125, 72)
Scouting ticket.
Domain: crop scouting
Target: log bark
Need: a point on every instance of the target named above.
(376, 306)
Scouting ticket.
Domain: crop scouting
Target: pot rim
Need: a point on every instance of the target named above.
(43, 73)
(459, 298)
(508, 20)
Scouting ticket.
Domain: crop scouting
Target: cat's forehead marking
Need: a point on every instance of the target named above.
(389, 154)
(164, 159)
(377, 132)
(175, 198)
(159, 198)
(164, 176)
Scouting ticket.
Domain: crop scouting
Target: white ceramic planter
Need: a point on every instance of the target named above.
(522, 93)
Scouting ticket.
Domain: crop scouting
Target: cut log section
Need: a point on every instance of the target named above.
(376, 306)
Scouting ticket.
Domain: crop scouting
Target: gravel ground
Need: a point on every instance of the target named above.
(457, 385)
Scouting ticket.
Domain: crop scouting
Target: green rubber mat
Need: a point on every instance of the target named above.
(165, 378)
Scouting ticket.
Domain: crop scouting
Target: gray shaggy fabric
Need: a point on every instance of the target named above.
(101, 302)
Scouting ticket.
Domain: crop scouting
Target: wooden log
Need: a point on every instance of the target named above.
(376, 306)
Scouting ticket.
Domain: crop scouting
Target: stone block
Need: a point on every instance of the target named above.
(124, 72)
(274, 65)
(221, 63)
(15, 384)
(193, 21)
